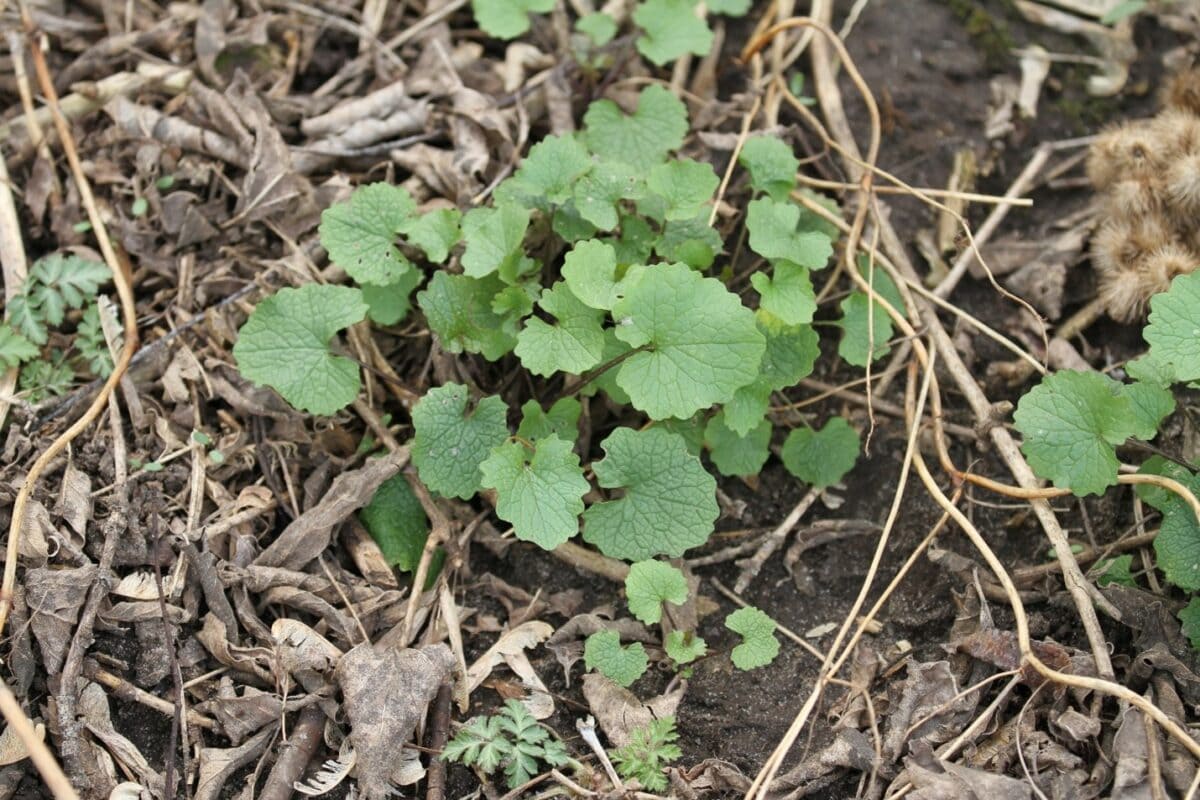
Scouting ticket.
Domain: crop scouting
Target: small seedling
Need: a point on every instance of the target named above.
(650, 750)
(510, 740)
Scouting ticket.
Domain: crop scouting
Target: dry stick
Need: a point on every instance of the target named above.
(124, 690)
(439, 533)
(439, 731)
(39, 753)
(841, 186)
(733, 157)
(773, 541)
(121, 277)
(295, 754)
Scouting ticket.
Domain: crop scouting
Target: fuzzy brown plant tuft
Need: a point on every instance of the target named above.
(1148, 173)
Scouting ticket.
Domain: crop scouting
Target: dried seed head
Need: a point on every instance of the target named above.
(1122, 242)
(1127, 292)
(1183, 189)
(1177, 134)
(1133, 197)
(1126, 151)
(1182, 91)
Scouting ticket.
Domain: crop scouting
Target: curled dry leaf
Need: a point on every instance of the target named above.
(75, 499)
(301, 648)
(620, 712)
(218, 765)
(255, 660)
(928, 699)
(539, 702)
(247, 713)
(126, 791)
(12, 749)
(137, 586)
(309, 534)
(54, 597)
(331, 773)
(934, 779)
(94, 711)
(522, 637)
(386, 692)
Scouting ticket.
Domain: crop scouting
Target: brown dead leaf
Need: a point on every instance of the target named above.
(74, 504)
(243, 714)
(523, 637)
(309, 534)
(54, 597)
(218, 765)
(386, 692)
(925, 708)
(619, 712)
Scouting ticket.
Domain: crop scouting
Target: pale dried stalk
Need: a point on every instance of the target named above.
(121, 278)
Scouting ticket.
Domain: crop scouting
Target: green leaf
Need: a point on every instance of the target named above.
(614, 348)
(602, 651)
(791, 352)
(14, 348)
(730, 8)
(685, 186)
(648, 751)
(636, 242)
(734, 454)
(821, 458)
(773, 234)
(1157, 497)
(574, 344)
(1150, 404)
(397, 523)
(1115, 570)
(866, 330)
(684, 647)
(450, 441)
(478, 743)
(649, 584)
(459, 311)
(788, 293)
(590, 270)
(772, 166)
(700, 344)
(562, 420)
(360, 233)
(388, 305)
(1071, 421)
(548, 174)
(598, 193)
(1177, 546)
(759, 645)
(507, 19)
(1173, 330)
(26, 320)
(1148, 369)
(91, 344)
(539, 493)
(494, 236)
(1189, 615)
(642, 139)
(1122, 10)
(691, 429)
(691, 241)
(62, 280)
(600, 28)
(668, 503)
(285, 345)
(44, 378)
(671, 30)
(434, 232)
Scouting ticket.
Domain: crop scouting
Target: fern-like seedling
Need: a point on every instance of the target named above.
(651, 748)
(510, 740)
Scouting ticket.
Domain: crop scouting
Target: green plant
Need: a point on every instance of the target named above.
(510, 740)
(667, 29)
(650, 749)
(593, 273)
(56, 284)
(1072, 423)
